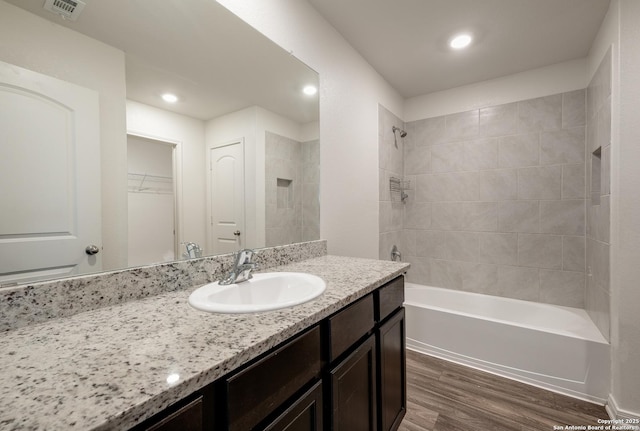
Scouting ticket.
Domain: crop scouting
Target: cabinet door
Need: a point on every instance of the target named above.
(305, 414)
(353, 390)
(392, 372)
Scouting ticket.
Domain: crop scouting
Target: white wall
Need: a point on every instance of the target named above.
(626, 289)
(189, 135)
(350, 90)
(620, 29)
(544, 81)
(33, 43)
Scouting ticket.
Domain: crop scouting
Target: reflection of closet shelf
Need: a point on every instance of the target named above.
(145, 183)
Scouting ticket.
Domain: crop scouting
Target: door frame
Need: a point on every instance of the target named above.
(209, 224)
(177, 184)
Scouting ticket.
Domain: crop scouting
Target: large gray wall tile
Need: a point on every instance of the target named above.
(498, 195)
(461, 246)
(430, 243)
(455, 186)
(573, 253)
(499, 120)
(430, 131)
(500, 248)
(540, 251)
(562, 288)
(417, 160)
(543, 113)
(447, 157)
(480, 154)
(573, 181)
(519, 216)
(540, 182)
(519, 150)
(565, 146)
(574, 109)
(566, 217)
(498, 185)
(518, 282)
(462, 126)
(420, 271)
(417, 215)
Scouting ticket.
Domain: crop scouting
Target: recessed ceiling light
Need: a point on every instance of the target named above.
(310, 90)
(170, 98)
(460, 41)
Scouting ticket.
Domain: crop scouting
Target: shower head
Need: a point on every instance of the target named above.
(402, 132)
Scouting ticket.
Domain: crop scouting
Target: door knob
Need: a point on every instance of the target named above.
(237, 233)
(91, 250)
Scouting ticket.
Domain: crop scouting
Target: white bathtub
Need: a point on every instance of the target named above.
(553, 347)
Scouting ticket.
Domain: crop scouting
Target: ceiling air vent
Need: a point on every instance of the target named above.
(67, 9)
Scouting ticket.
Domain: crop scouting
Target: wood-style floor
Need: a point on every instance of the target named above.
(443, 396)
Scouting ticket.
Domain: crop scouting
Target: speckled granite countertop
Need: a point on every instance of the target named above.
(107, 369)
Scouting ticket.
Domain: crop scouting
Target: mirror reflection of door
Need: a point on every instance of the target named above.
(151, 201)
(50, 207)
(226, 198)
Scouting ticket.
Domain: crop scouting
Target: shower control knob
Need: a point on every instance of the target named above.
(91, 250)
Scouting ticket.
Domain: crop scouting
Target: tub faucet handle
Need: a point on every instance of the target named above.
(396, 256)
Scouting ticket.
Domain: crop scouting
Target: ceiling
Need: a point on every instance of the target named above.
(211, 59)
(406, 41)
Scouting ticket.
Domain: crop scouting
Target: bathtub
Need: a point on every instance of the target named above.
(549, 346)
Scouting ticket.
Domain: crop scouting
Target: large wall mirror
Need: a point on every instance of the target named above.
(98, 172)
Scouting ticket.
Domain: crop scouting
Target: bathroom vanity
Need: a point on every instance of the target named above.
(336, 362)
(353, 361)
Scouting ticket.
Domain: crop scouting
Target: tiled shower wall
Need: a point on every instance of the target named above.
(598, 292)
(292, 178)
(390, 164)
(497, 204)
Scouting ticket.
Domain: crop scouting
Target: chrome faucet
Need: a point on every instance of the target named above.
(242, 267)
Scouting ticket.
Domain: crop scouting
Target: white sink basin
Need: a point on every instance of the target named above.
(264, 292)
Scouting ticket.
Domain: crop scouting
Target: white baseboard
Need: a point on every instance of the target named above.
(617, 413)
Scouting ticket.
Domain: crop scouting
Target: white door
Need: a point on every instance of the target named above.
(50, 209)
(226, 197)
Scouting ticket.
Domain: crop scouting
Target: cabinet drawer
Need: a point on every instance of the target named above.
(389, 298)
(188, 418)
(349, 325)
(259, 389)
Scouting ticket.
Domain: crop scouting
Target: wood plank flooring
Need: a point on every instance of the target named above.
(443, 396)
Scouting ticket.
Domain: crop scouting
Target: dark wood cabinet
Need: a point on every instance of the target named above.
(304, 414)
(349, 325)
(392, 384)
(187, 418)
(353, 390)
(345, 373)
(258, 390)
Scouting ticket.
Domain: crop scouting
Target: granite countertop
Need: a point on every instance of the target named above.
(109, 368)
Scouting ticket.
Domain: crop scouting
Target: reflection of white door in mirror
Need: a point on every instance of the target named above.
(151, 201)
(226, 198)
(50, 208)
